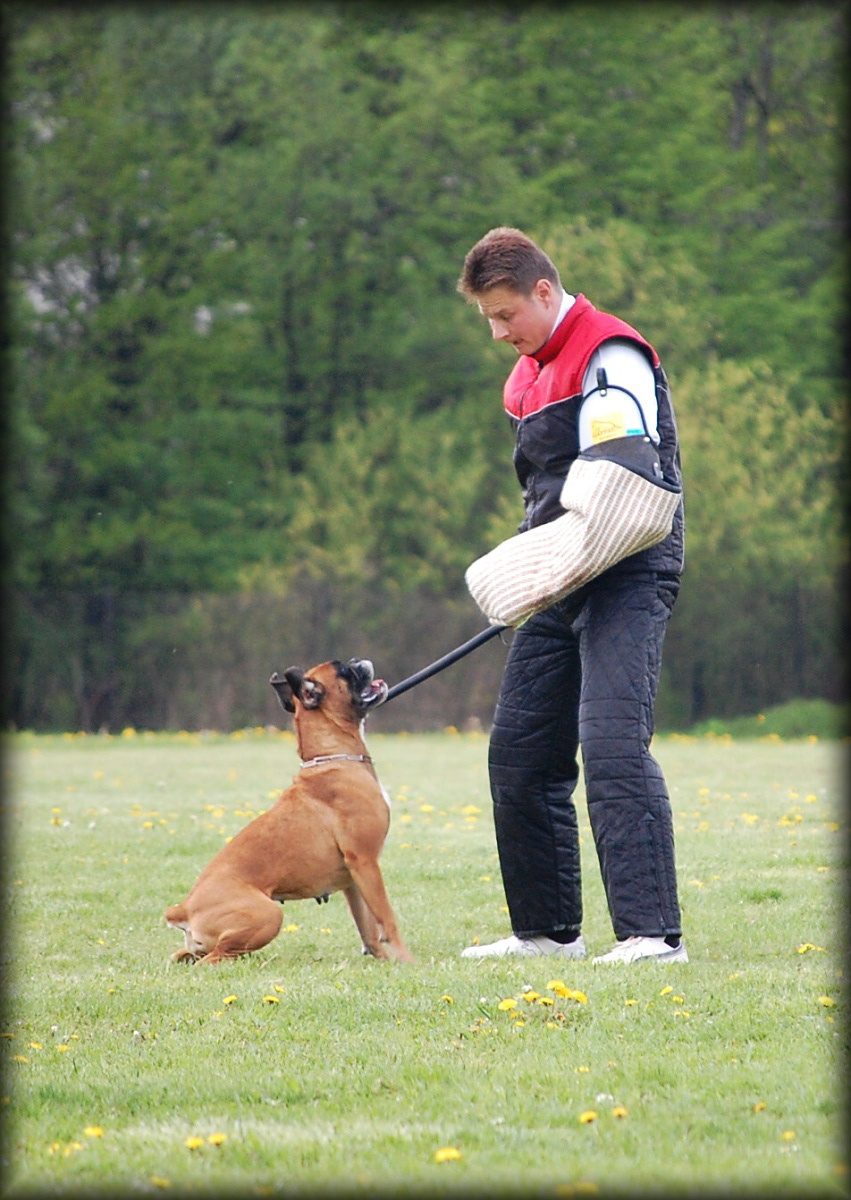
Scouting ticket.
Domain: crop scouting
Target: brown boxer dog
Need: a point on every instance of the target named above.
(324, 833)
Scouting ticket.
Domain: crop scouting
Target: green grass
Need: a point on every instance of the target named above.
(359, 1072)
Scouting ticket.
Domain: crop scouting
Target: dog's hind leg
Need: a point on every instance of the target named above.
(250, 927)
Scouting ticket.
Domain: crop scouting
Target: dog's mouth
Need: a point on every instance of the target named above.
(368, 690)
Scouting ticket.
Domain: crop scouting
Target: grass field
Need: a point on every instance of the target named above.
(308, 1068)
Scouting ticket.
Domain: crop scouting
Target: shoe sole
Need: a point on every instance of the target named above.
(677, 955)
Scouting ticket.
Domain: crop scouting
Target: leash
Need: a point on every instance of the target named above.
(446, 661)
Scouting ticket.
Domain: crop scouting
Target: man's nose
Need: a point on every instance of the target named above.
(499, 330)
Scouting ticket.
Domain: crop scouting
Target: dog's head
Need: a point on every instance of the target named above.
(340, 685)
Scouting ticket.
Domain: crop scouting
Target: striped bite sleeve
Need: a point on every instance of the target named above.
(610, 513)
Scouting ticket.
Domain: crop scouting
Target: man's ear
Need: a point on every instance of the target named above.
(284, 689)
(545, 291)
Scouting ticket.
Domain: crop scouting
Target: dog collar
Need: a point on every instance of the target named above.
(326, 758)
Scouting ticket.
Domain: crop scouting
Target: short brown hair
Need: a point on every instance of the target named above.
(505, 257)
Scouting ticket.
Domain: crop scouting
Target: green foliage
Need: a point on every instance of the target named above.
(237, 348)
(795, 719)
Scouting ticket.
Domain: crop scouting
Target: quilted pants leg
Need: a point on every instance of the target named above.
(621, 631)
(533, 772)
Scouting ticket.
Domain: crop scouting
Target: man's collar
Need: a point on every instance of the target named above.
(567, 303)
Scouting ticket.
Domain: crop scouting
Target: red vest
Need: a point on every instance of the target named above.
(557, 370)
(543, 395)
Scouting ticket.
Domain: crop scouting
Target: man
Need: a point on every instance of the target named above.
(589, 583)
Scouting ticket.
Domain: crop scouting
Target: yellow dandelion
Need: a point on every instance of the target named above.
(290, 929)
(547, 1000)
(229, 1000)
(447, 1154)
(446, 1000)
(585, 1118)
(506, 1004)
(62, 1048)
(279, 988)
(760, 1106)
(531, 997)
(628, 1003)
(22, 1058)
(827, 1001)
(271, 1000)
(35, 1045)
(93, 1131)
(216, 1139)
(160, 1181)
(194, 1142)
(619, 1111)
(553, 1025)
(578, 996)
(788, 1135)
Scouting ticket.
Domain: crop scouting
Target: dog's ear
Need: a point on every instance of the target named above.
(284, 689)
(295, 684)
(311, 694)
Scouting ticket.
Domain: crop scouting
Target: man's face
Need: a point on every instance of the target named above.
(526, 322)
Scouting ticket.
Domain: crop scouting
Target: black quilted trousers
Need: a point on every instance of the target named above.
(584, 673)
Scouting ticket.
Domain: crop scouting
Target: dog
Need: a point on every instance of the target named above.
(323, 834)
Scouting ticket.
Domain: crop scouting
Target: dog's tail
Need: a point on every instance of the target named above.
(177, 916)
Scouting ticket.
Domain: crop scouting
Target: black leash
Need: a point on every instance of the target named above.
(446, 661)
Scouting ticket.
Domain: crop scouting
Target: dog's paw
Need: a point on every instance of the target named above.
(183, 956)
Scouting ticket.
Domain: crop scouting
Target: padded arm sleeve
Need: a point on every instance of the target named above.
(612, 511)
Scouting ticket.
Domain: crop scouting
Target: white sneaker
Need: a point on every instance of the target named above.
(634, 949)
(534, 947)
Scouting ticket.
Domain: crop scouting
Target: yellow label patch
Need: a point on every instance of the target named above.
(609, 425)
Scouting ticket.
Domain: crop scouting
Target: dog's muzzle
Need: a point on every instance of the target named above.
(361, 677)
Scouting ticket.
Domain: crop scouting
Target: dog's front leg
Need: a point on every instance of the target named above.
(366, 923)
(369, 885)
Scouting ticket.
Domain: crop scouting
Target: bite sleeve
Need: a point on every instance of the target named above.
(611, 511)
